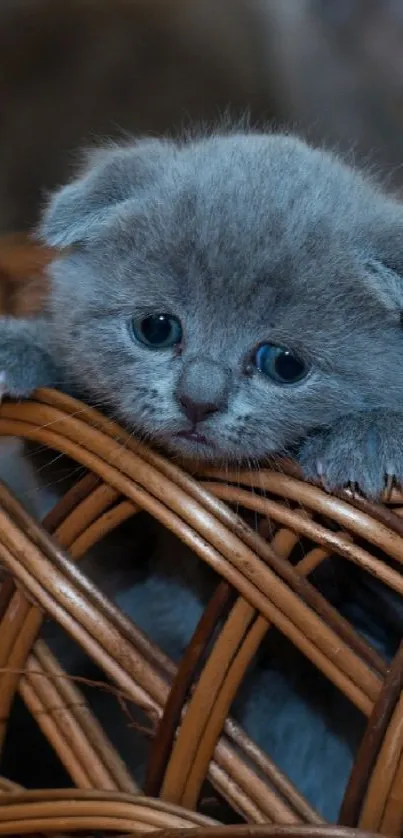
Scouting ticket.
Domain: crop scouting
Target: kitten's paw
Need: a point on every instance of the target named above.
(364, 451)
(13, 386)
(23, 368)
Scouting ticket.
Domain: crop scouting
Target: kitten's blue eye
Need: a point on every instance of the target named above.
(280, 364)
(158, 331)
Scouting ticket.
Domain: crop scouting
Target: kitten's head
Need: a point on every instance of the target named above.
(229, 294)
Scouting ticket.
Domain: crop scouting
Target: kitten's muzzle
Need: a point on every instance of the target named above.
(193, 436)
(203, 389)
(196, 411)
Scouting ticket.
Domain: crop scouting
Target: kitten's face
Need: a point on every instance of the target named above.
(234, 306)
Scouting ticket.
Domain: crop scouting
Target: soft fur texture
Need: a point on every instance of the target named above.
(246, 238)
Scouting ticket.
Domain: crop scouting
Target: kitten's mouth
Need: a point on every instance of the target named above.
(193, 436)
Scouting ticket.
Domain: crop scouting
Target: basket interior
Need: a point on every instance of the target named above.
(290, 583)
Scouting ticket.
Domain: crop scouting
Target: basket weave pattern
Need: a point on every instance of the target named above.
(195, 737)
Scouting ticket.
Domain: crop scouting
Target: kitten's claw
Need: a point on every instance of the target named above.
(363, 452)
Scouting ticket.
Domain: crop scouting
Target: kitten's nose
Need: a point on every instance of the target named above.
(203, 388)
(196, 411)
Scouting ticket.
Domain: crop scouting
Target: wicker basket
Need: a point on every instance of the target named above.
(195, 738)
(23, 282)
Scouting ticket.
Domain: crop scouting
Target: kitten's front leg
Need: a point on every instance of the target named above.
(25, 357)
(364, 449)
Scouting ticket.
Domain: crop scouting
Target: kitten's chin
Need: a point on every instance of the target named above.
(193, 446)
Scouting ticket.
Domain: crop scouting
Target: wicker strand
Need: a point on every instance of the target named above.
(200, 740)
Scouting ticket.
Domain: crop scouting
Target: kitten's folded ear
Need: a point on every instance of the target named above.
(385, 262)
(78, 212)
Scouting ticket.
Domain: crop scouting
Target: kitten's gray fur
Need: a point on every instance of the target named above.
(246, 238)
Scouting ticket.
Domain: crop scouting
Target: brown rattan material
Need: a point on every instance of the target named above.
(23, 283)
(195, 738)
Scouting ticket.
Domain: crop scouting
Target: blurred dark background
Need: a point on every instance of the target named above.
(75, 71)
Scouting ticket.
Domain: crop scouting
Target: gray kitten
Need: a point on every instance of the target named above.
(229, 297)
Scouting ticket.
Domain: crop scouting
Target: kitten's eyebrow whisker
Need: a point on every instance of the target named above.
(238, 464)
(300, 505)
(62, 418)
(253, 465)
(77, 470)
(49, 463)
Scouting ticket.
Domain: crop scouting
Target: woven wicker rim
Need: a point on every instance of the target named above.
(126, 477)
